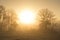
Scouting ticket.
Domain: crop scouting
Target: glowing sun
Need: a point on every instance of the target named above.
(26, 16)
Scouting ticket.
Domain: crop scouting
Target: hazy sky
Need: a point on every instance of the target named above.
(53, 5)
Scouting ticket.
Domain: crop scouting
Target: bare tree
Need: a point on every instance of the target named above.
(2, 18)
(7, 20)
(47, 18)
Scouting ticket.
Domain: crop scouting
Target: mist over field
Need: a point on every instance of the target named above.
(29, 20)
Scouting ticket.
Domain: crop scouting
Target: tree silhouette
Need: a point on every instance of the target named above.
(47, 18)
(47, 24)
(2, 17)
(7, 20)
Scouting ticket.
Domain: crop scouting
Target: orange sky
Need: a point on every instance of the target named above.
(53, 5)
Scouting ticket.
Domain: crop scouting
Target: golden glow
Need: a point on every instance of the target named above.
(27, 20)
(26, 17)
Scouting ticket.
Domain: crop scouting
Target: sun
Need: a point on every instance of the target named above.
(26, 16)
